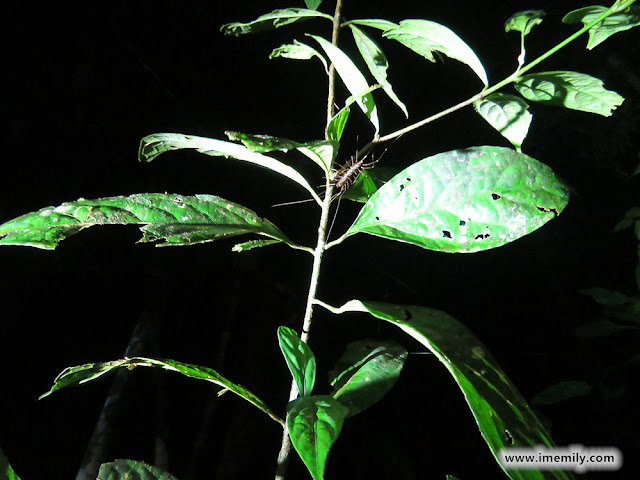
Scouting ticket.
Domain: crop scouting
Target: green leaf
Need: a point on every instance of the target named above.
(131, 470)
(508, 115)
(353, 79)
(298, 51)
(561, 391)
(277, 18)
(153, 145)
(524, 21)
(369, 182)
(631, 216)
(424, 36)
(261, 143)
(604, 296)
(169, 218)
(77, 375)
(617, 22)
(6, 472)
(339, 121)
(577, 91)
(464, 201)
(322, 152)
(377, 63)
(367, 370)
(314, 425)
(251, 244)
(312, 4)
(503, 416)
(374, 23)
(299, 358)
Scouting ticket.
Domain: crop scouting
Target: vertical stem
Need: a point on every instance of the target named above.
(285, 448)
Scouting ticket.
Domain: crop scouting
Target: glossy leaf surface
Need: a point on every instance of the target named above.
(508, 115)
(464, 201)
(524, 21)
(153, 145)
(299, 358)
(339, 120)
(617, 22)
(277, 18)
(377, 64)
(353, 80)
(503, 416)
(131, 470)
(573, 90)
(366, 371)
(169, 218)
(80, 374)
(424, 37)
(6, 472)
(314, 425)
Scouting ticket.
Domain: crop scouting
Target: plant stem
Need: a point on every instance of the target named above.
(285, 447)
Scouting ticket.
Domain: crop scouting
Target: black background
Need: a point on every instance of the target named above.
(84, 85)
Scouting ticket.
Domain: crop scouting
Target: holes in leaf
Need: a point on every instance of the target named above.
(462, 223)
(482, 236)
(408, 179)
(508, 439)
(547, 210)
(495, 196)
(377, 219)
(401, 187)
(446, 234)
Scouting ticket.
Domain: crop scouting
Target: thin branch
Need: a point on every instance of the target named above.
(332, 69)
(510, 79)
(285, 447)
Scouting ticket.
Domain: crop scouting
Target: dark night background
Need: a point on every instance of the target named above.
(83, 86)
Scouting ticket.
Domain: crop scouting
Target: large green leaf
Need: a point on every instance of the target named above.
(77, 375)
(367, 370)
(503, 416)
(573, 90)
(424, 37)
(131, 470)
(169, 218)
(377, 63)
(6, 472)
(299, 358)
(153, 145)
(617, 22)
(464, 201)
(353, 80)
(268, 21)
(314, 425)
(507, 114)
